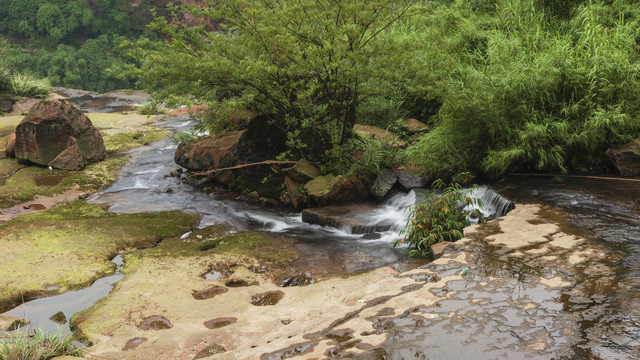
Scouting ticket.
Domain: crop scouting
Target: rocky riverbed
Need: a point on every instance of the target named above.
(554, 278)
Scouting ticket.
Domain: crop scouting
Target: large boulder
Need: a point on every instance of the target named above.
(296, 193)
(626, 160)
(55, 127)
(410, 178)
(10, 149)
(209, 152)
(383, 183)
(331, 189)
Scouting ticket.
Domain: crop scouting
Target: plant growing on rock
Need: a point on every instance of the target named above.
(437, 219)
(42, 346)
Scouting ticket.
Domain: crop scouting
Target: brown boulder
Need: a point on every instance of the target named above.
(10, 149)
(52, 127)
(331, 189)
(209, 152)
(413, 126)
(303, 171)
(626, 160)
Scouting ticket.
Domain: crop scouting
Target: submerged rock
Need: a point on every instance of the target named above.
(59, 317)
(343, 217)
(626, 160)
(56, 134)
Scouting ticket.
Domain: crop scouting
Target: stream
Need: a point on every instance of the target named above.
(605, 212)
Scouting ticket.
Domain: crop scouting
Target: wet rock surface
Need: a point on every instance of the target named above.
(133, 344)
(344, 217)
(209, 293)
(155, 322)
(219, 322)
(268, 298)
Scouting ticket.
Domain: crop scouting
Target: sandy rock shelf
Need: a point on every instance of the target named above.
(508, 303)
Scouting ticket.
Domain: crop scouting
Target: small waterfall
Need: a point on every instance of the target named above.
(391, 216)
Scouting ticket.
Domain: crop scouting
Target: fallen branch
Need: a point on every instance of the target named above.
(266, 162)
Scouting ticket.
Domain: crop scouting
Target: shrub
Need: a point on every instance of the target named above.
(29, 86)
(152, 108)
(5, 79)
(438, 218)
(42, 346)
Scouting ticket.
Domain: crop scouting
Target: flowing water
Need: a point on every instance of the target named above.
(606, 213)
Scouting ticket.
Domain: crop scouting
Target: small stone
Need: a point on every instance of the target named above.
(10, 323)
(59, 317)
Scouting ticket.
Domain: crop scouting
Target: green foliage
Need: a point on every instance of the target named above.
(152, 107)
(42, 346)
(5, 79)
(29, 86)
(528, 85)
(437, 219)
(306, 65)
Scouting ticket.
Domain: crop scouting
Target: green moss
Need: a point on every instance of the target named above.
(21, 186)
(128, 140)
(71, 245)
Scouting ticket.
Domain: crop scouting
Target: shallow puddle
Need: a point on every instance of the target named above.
(218, 272)
(155, 322)
(267, 299)
(209, 293)
(220, 322)
(50, 180)
(133, 344)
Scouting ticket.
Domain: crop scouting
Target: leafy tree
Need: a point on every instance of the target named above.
(305, 65)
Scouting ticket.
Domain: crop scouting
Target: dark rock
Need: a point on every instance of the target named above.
(413, 126)
(383, 184)
(10, 149)
(53, 127)
(59, 317)
(262, 140)
(296, 192)
(303, 172)
(6, 103)
(410, 179)
(626, 160)
(330, 189)
(209, 152)
(344, 217)
(176, 173)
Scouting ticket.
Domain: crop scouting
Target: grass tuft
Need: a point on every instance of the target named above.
(25, 85)
(42, 346)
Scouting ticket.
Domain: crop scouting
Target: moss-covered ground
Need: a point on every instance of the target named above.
(71, 245)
